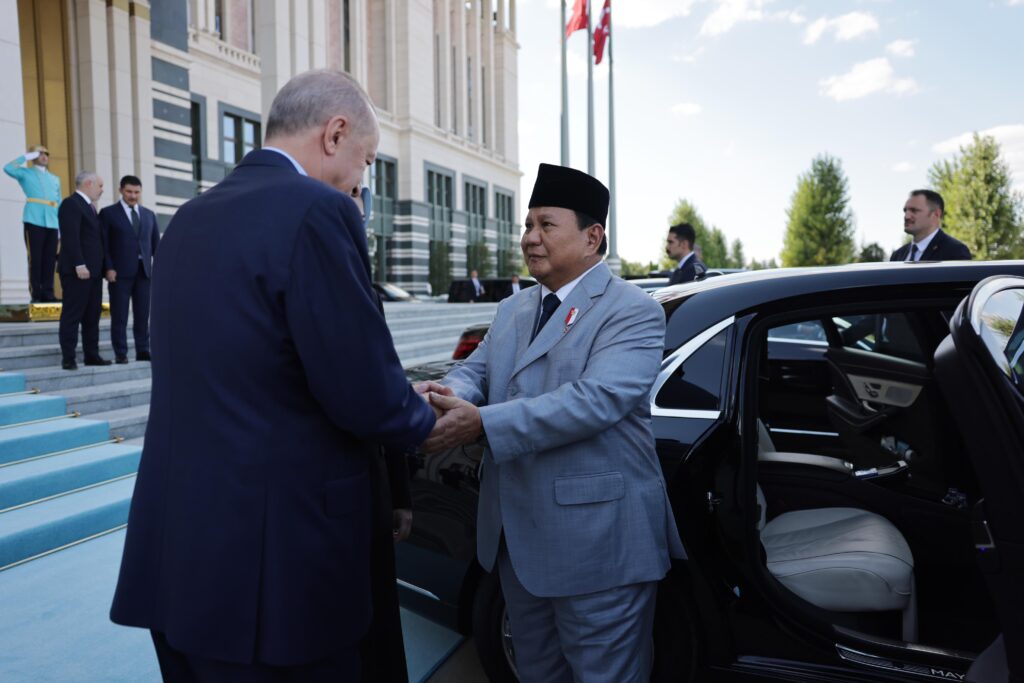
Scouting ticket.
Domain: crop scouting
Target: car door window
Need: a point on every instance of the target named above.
(890, 334)
(810, 332)
(697, 383)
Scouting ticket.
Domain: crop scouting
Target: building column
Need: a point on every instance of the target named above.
(444, 66)
(317, 34)
(477, 52)
(122, 114)
(90, 68)
(391, 26)
(273, 45)
(488, 92)
(358, 28)
(461, 100)
(13, 262)
(512, 16)
(142, 95)
(298, 36)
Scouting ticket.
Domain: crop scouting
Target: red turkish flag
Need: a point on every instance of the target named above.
(604, 28)
(578, 20)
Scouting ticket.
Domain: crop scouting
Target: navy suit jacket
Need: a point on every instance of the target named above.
(249, 532)
(81, 238)
(689, 272)
(943, 247)
(123, 247)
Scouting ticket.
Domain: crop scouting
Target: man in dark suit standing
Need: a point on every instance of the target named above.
(131, 236)
(248, 545)
(922, 220)
(478, 288)
(81, 268)
(679, 245)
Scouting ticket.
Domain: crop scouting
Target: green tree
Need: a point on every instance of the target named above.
(820, 228)
(635, 268)
(982, 209)
(763, 265)
(871, 253)
(440, 277)
(508, 262)
(711, 241)
(737, 259)
(478, 259)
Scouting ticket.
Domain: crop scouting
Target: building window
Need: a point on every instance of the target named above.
(439, 197)
(218, 18)
(476, 218)
(508, 242)
(239, 137)
(384, 188)
(196, 119)
(470, 119)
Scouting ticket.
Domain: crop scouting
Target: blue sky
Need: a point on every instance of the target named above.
(725, 103)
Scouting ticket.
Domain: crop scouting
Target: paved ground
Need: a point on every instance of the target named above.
(462, 667)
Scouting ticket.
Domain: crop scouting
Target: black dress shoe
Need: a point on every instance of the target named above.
(143, 355)
(121, 360)
(69, 365)
(97, 361)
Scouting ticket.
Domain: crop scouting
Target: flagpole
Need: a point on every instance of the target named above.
(590, 94)
(613, 224)
(565, 92)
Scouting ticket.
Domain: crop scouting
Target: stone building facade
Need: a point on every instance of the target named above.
(176, 92)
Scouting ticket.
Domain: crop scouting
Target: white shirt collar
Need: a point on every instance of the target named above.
(564, 291)
(128, 209)
(84, 196)
(684, 260)
(922, 245)
(289, 157)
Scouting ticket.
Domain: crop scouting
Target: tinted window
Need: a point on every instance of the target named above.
(808, 330)
(886, 333)
(697, 383)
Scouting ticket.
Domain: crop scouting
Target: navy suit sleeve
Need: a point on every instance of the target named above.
(154, 234)
(69, 218)
(341, 336)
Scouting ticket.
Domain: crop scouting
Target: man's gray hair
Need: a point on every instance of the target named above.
(313, 97)
(83, 177)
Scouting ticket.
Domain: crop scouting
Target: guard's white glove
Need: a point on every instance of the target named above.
(31, 156)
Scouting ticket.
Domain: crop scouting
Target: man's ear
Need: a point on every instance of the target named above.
(335, 132)
(595, 233)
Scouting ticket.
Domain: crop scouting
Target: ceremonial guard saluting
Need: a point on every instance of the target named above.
(42, 196)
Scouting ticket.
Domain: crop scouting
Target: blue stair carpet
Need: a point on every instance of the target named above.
(11, 381)
(54, 623)
(25, 407)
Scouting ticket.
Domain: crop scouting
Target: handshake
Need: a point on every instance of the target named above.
(458, 421)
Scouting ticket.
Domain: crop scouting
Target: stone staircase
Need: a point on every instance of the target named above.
(70, 443)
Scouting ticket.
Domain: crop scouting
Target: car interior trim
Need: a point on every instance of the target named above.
(802, 432)
(416, 589)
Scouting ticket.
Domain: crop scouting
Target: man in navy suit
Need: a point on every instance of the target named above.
(922, 220)
(80, 265)
(131, 239)
(679, 245)
(248, 545)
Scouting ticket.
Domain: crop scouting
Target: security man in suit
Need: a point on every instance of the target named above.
(574, 514)
(922, 220)
(248, 546)
(679, 245)
(132, 237)
(42, 196)
(81, 268)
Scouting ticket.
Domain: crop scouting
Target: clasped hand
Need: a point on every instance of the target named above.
(458, 421)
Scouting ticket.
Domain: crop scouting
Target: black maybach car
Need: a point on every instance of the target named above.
(844, 452)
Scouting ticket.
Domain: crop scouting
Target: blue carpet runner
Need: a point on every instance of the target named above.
(54, 623)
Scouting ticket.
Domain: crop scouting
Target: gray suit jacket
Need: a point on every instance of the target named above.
(570, 473)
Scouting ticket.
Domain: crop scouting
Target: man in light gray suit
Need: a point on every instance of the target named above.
(573, 509)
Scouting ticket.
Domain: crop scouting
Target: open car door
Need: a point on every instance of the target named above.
(980, 370)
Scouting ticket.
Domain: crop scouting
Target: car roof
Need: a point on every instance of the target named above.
(713, 299)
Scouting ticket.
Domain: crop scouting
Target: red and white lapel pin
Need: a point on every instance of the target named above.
(570, 318)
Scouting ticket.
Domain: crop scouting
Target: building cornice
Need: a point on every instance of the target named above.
(210, 45)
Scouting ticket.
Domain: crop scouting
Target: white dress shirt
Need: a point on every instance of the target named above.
(921, 246)
(566, 289)
(684, 260)
(289, 157)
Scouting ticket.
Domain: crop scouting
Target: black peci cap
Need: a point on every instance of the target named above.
(567, 188)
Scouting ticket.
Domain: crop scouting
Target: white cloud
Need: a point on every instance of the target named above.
(793, 17)
(902, 48)
(729, 13)
(686, 109)
(1011, 3)
(1011, 144)
(903, 167)
(866, 78)
(689, 58)
(730, 149)
(846, 27)
(643, 13)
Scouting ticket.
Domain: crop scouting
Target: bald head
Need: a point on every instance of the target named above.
(312, 98)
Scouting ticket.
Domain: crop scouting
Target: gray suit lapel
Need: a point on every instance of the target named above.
(526, 316)
(581, 298)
